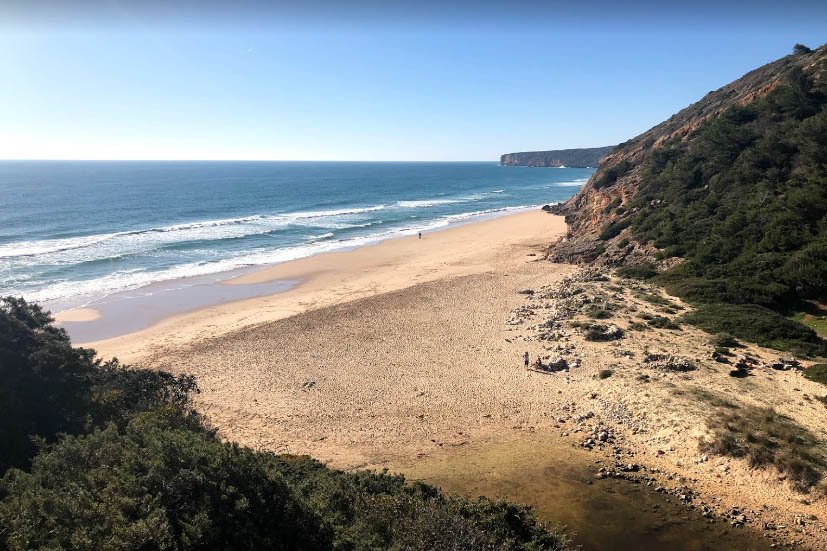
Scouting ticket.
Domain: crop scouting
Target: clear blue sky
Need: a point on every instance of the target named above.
(422, 84)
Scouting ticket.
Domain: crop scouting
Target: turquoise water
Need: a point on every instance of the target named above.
(76, 231)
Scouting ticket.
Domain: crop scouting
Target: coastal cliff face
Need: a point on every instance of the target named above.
(573, 158)
(608, 196)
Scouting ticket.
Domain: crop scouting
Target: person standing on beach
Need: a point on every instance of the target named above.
(420, 235)
(525, 359)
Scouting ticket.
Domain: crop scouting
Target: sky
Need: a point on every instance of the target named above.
(383, 81)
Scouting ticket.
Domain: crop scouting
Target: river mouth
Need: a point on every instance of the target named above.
(558, 481)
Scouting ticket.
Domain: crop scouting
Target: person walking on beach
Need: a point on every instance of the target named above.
(525, 359)
(420, 235)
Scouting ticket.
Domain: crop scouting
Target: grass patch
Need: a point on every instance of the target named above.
(605, 373)
(713, 398)
(658, 300)
(768, 439)
(637, 326)
(814, 316)
(645, 270)
(757, 324)
(661, 322)
(817, 373)
(600, 311)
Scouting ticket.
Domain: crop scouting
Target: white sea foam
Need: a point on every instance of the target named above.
(428, 203)
(117, 244)
(123, 280)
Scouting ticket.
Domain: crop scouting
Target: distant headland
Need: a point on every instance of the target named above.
(574, 158)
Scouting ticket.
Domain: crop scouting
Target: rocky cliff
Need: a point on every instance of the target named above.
(599, 214)
(576, 158)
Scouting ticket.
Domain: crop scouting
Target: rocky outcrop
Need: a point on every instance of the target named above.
(620, 173)
(573, 158)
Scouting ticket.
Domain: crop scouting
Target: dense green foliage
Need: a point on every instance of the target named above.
(99, 456)
(756, 324)
(744, 202)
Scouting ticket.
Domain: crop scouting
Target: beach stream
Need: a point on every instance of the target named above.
(558, 481)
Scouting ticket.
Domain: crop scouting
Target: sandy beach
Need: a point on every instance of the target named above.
(407, 355)
(335, 278)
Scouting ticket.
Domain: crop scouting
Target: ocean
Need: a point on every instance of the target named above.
(73, 232)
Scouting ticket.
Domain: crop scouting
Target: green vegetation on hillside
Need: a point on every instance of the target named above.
(744, 203)
(100, 456)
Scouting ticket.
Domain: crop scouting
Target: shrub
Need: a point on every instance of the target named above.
(799, 49)
(596, 311)
(661, 322)
(725, 340)
(644, 270)
(156, 486)
(611, 175)
(605, 373)
(612, 229)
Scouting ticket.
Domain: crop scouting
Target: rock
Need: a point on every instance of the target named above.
(602, 333)
(664, 362)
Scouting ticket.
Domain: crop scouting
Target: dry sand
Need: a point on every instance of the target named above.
(408, 355)
(77, 314)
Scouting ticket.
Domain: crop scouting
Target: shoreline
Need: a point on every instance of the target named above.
(134, 310)
(335, 277)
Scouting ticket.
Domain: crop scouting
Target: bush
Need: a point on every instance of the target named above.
(757, 324)
(800, 49)
(661, 322)
(611, 175)
(613, 229)
(725, 340)
(645, 270)
(596, 311)
(154, 486)
(605, 373)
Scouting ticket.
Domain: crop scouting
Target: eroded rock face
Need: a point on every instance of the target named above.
(608, 193)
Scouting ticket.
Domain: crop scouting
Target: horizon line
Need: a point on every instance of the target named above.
(248, 160)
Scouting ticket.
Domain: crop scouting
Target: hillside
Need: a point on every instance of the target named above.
(726, 200)
(576, 158)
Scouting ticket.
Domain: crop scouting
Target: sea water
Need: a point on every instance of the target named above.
(73, 232)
